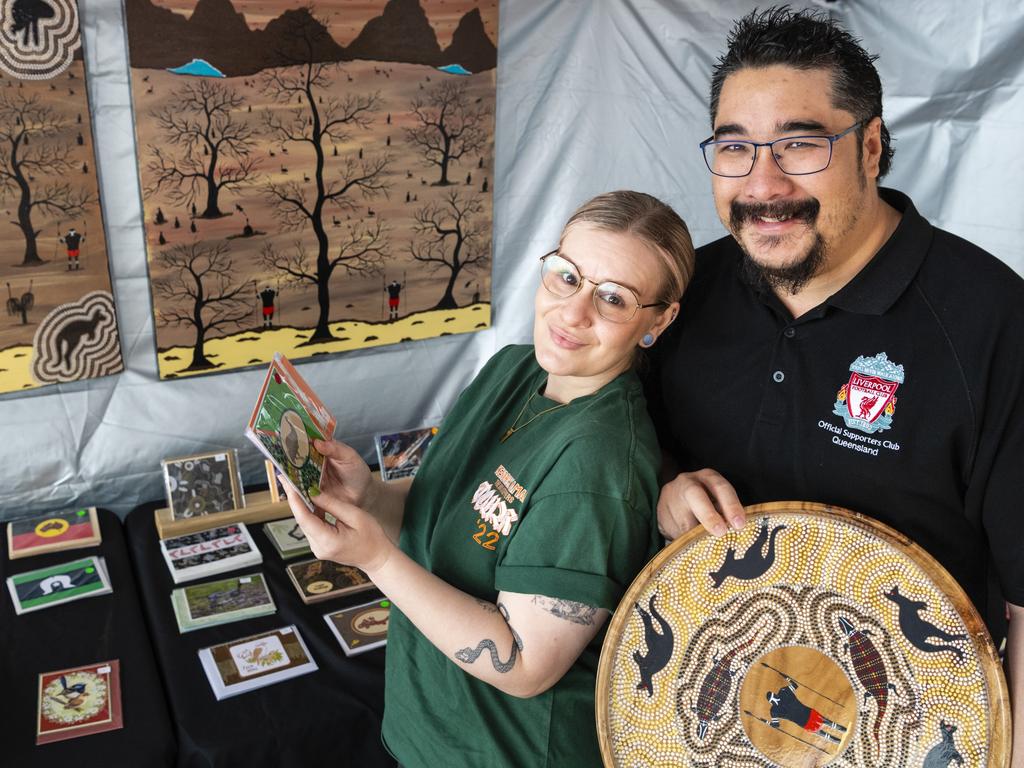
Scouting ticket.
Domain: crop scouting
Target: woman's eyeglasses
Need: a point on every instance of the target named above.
(613, 302)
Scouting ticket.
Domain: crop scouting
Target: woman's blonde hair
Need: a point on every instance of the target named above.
(654, 223)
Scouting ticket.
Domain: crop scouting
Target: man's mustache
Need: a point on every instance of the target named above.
(741, 213)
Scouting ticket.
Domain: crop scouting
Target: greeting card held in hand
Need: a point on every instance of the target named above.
(287, 418)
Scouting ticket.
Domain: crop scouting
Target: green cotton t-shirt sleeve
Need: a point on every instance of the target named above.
(579, 546)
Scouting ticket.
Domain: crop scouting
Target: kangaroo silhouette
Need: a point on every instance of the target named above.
(659, 647)
(754, 562)
(70, 336)
(918, 630)
(943, 753)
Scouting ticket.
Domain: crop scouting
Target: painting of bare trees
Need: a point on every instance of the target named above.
(316, 177)
(59, 324)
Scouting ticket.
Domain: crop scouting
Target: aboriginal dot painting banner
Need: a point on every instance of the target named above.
(60, 324)
(316, 176)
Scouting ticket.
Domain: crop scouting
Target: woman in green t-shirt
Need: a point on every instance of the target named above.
(531, 513)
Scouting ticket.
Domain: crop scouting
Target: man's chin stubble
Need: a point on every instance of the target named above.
(790, 278)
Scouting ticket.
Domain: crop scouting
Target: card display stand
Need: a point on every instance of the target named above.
(259, 508)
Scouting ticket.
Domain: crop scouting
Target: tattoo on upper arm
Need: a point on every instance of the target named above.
(469, 655)
(487, 606)
(577, 613)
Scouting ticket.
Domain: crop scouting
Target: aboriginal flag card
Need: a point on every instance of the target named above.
(256, 661)
(43, 587)
(287, 418)
(79, 701)
(54, 531)
(361, 627)
(319, 580)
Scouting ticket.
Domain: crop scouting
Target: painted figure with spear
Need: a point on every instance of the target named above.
(73, 243)
(785, 704)
(394, 289)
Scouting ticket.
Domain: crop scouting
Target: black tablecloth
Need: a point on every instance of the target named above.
(73, 634)
(331, 717)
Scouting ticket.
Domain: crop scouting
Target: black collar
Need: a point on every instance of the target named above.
(885, 278)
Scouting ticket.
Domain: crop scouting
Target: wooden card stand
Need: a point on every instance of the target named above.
(259, 507)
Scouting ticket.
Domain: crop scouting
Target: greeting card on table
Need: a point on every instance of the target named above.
(205, 553)
(43, 587)
(362, 627)
(79, 701)
(221, 602)
(52, 532)
(256, 661)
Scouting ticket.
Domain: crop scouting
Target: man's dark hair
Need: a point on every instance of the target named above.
(807, 40)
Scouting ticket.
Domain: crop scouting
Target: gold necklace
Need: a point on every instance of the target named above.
(515, 424)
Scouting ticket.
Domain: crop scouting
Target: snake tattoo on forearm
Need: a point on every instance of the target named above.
(469, 655)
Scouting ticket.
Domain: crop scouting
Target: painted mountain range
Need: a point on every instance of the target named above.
(160, 38)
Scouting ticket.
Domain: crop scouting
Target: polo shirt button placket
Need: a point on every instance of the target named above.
(789, 333)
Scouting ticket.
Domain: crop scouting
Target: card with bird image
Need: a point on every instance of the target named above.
(401, 453)
(43, 587)
(256, 661)
(318, 580)
(362, 627)
(52, 532)
(79, 701)
(287, 537)
(221, 602)
(203, 483)
(287, 417)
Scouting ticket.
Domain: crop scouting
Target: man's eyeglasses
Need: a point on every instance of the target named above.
(795, 155)
(613, 302)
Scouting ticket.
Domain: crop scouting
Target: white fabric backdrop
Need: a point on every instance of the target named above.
(593, 95)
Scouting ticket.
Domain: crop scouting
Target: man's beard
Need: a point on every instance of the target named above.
(791, 277)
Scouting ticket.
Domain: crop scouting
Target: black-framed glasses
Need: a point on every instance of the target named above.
(613, 302)
(794, 155)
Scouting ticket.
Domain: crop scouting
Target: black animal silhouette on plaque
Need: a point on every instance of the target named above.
(943, 753)
(918, 630)
(71, 335)
(754, 562)
(26, 15)
(659, 647)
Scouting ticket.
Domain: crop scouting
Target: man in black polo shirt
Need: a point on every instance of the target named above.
(836, 347)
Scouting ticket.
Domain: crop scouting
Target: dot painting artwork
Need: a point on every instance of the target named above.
(813, 636)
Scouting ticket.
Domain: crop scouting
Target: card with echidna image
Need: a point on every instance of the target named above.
(287, 418)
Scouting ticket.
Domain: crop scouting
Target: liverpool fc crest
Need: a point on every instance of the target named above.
(868, 400)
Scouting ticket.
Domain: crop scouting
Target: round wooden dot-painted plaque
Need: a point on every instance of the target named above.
(813, 636)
